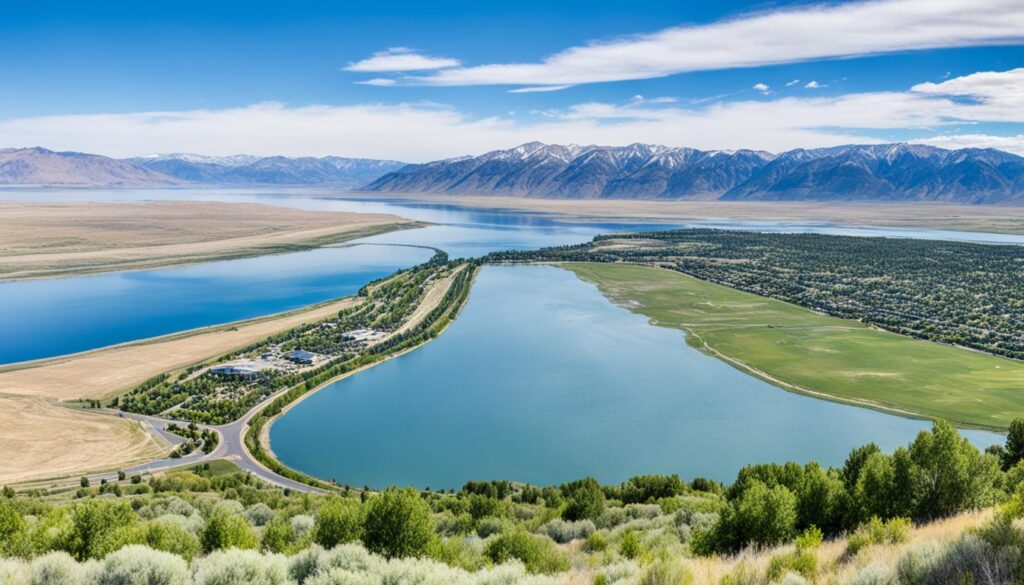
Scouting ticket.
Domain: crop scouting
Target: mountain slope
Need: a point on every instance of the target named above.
(892, 172)
(272, 170)
(39, 166)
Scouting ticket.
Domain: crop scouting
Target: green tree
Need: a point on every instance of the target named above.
(821, 500)
(585, 500)
(278, 535)
(1013, 452)
(950, 474)
(398, 524)
(874, 492)
(226, 530)
(169, 537)
(761, 515)
(99, 527)
(338, 521)
(537, 553)
(13, 530)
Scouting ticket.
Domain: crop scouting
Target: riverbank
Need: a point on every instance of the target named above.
(818, 355)
(51, 239)
(921, 216)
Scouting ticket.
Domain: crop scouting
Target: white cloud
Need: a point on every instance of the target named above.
(539, 88)
(379, 82)
(425, 131)
(400, 59)
(812, 84)
(792, 83)
(998, 95)
(1013, 144)
(782, 36)
(763, 88)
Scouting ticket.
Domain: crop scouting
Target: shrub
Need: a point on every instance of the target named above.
(302, 524)
(397, 524)
(873, 574)
(259, 514)
(169, 536)
(538, 554)
(278, 536)
(562, 532)
(338, 522)
(630, 546)
(875, 531)
(596, 542)
(55, 568)
(760, 515)
(801, 562)
(585, 500)
(241, 567)
(225, 530)
(742, 574)
(99, 527)
(666, 572)
(491, 526)
(140, 565)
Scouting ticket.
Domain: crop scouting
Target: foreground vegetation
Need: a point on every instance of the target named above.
(951, 292)
(789, 524)
(824, 355)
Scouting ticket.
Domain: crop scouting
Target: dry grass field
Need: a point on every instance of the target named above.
(39, 438)
(42, 239)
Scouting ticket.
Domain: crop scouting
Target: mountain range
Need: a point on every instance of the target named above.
(887, 172)
(39, 166)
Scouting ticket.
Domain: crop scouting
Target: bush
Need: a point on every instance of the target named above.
(585, 500)
(140, 565)
(99, 527)
(259, 514)
(241, 567)
(278, 536)
(666, 572)
(170, 536)
(338, 522)
(630, 546)
(225, 530)
(801, 562)
(562, 532)
(596, 542)
(873, 574)
(55, 568)
(876, 531)
(397, 524)
(538, 554)
(762, 515)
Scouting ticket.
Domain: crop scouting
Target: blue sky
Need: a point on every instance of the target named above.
(448, 78)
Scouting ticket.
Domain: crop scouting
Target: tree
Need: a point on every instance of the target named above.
(170, 537)
(874, 492)
(650, 488)
(950, 475)
(1013, 452)
(339, 521)
(397, 524)
(84, 482)
(226, 530)
(13, 530)
(99, 527)
(854, 461)
(537, 553)
(278, 535)
(585, 500)
(761, 515)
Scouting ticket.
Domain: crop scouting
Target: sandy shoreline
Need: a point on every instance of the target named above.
(51, 239)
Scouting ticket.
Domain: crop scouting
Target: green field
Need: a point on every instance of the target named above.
(804, 351)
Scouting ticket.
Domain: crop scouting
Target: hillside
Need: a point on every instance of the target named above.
(39, 166)
(889, 172)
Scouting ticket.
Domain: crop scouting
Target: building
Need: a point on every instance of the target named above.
(241, 370)
(301, 356)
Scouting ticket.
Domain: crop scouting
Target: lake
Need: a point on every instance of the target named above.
(543, 380)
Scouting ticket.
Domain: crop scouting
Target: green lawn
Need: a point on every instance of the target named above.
(819, 354)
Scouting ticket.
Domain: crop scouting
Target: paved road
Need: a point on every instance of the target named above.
(231, 447)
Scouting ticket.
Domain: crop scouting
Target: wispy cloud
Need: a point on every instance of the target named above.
(397, 59)
(781, 36)
(763, 88)
(379, 82)
(424, 131)
(812, 84)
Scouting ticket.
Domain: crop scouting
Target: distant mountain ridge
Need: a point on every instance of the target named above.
(39, 166)
(887, 172)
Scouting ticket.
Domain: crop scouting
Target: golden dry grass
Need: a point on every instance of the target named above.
(39, 438)
(42, 239)
(107, 372)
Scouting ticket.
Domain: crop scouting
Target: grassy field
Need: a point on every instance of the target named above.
(815, 354)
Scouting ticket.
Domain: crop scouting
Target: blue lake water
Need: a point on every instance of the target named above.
(541, 379)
